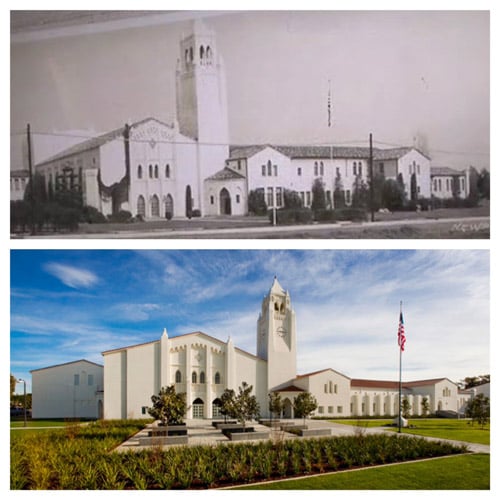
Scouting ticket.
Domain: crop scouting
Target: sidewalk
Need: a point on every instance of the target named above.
(201, 432)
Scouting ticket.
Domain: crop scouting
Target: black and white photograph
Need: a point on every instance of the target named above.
(250, 124)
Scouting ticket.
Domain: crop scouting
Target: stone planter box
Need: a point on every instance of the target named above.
(314, 432)
(237, 429)
(242, 436)
(162, 440)
(216, 423)
(168, 432)
(292, 427)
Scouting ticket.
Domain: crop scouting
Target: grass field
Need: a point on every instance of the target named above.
(444, 428)
(464, 472)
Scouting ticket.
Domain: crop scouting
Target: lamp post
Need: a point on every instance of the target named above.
(24, 383)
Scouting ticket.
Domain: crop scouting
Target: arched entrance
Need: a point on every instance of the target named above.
(169, 207)
(155, 206)
(216, 408)
(198, 408)
(225, 202)
(287, 408)
(141, 206)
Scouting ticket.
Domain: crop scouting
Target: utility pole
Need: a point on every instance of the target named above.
(32, 187)
(371, 179)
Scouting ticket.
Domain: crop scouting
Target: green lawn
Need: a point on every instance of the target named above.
(38, 423)
(464, 472)
(444, 428)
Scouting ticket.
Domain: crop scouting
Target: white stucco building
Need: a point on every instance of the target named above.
(203, 367)
(449, 183)
(151, 168)
(18, 182)
(68, 390)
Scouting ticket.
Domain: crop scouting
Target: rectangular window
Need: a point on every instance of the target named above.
(279, 197)
(299, 171)
(237, 198)
(374, 407)
(269, 169)
(90, 379)
(330, 410)
(76, 379)
(308, 198)
(326, 388)
(212, 200)
(275, 170)
(144, 410)
(264, 170)
(270, 197)
(340, 409)
(447, 184)
(321, 410)
(440, 185)
(335, 388)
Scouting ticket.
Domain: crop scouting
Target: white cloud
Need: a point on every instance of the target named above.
(71, 276)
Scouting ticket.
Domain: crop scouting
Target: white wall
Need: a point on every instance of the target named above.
(57, 395)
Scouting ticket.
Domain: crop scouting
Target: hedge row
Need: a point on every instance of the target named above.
(80, 458)
(306, 216)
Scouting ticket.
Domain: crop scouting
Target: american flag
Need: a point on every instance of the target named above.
(401, 332)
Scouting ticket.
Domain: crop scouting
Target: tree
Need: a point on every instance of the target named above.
(413, 187)
(405, 407)
(245, 406)
(318, 195)
(168, 406)
(257, 202)
(13, 381)
(304, 404)
(292, 199)
(425, 406)
(189, 203)
(227, 403)
(338, 192)
(483, 184)
(275, 404)
(478, 410)
(360, 193)
(392, 195)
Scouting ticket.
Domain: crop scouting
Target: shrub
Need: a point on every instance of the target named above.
(121, 216)
(257, 202)
(325, 215)
(92, 215)
(292, 216)
(196, 212)
(350, 213)
(168, 215)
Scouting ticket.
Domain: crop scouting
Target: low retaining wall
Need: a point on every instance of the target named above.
(314, 432)
(243, 436)
(162, 440)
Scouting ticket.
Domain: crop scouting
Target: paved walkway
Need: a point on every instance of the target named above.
(201, 432)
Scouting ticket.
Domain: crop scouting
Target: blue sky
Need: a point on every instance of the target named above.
(73, 304)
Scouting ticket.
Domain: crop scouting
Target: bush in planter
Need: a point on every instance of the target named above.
(92, 215)
(196, 213)
(168, 406)
(168, 215)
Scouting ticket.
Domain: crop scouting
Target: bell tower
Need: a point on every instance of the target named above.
(276, 336)
(201, 99)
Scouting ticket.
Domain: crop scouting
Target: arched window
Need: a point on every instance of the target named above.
(155, 206)
(167, 171)
(209, 54)
(202, 53)
(315, 168)
(321, 168)
(186, 55)
(178, 377)
(217, 378)
(194, 378)
(198, 407)
(269, 168)
(359, 168)
(150, 171)
(141, 206)
(139, 172)
(156, 171)
(191, 56)
(202, 377)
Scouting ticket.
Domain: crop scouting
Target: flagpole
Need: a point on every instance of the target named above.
(400, 370)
